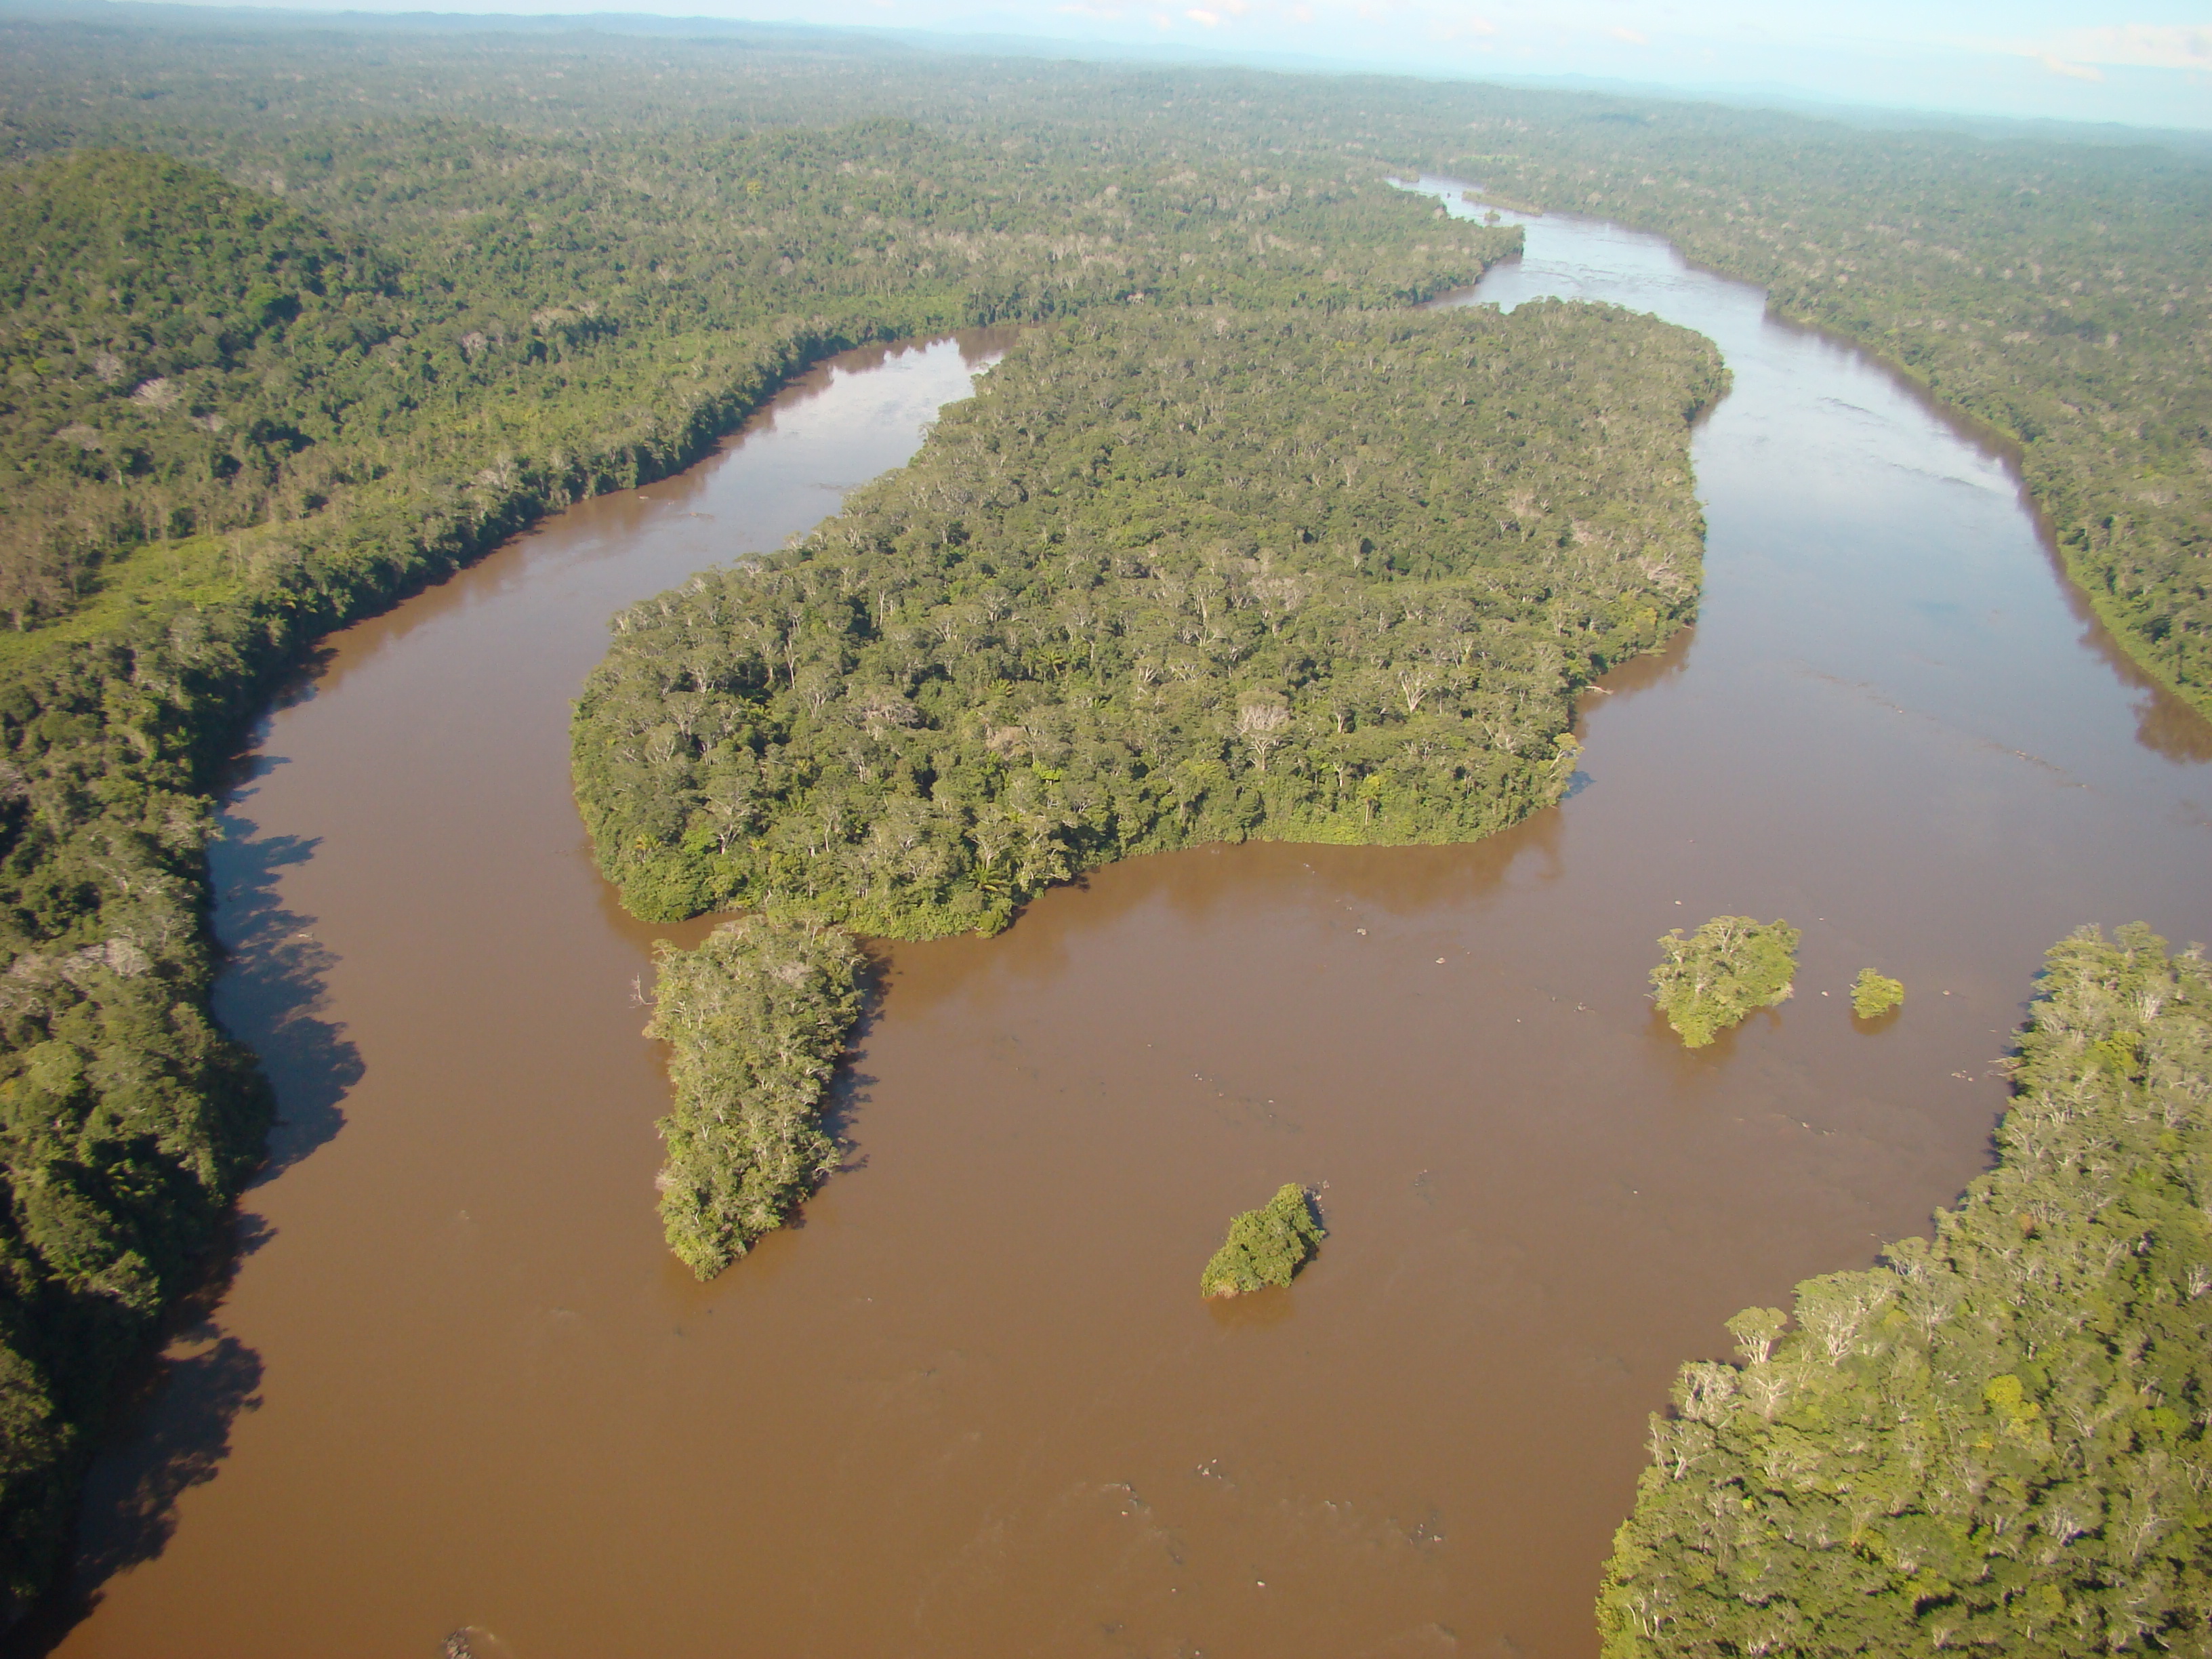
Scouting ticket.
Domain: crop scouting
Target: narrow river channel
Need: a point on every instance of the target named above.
(973, 1406)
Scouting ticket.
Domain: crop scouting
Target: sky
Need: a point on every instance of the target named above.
(2140, 62)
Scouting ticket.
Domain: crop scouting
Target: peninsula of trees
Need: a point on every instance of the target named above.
(1994, 1442)
(756, 1016)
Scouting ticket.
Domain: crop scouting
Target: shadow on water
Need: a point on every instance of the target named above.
(169, 1433)
(274, 988)
(849, 1093)
(851, 1089)
(2165, 724)
(1692, 1074)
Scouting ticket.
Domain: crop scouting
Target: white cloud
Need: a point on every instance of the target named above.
(2134, 45)
(1631, 36)
(1211, 20)
(1458, 27)
(2072, 71)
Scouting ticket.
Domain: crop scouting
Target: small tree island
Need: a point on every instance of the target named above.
(1731, 966)
(1265, 1246)
(1875, 994)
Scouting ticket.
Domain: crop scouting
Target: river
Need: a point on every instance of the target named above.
(973, 1405)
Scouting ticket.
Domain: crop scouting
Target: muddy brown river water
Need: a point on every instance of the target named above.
(973, 1405)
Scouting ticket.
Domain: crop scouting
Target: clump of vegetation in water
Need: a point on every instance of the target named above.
(1875, 994)
(1994, 1440)
(1729, 967)
(1265, 1246)
(757, 1017)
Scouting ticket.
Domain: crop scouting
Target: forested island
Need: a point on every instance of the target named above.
(1993, 1441)
(1167, 579)
(293, 322)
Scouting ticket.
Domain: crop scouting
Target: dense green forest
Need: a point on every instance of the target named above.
(1994, 1441)
(511, 328)
(1166, 580)
(2051, 287)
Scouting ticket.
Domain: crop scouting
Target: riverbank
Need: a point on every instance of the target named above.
(2051, 294)
(365, 407)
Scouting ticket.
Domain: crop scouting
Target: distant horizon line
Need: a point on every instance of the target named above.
(1778, 96)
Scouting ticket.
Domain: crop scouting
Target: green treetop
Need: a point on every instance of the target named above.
(1875, 994)
(1265, 1246)
(1733, 964)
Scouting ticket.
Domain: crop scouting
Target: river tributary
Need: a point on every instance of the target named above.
(973, 1405)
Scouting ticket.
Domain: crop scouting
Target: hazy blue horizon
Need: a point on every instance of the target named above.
(2035, 60)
